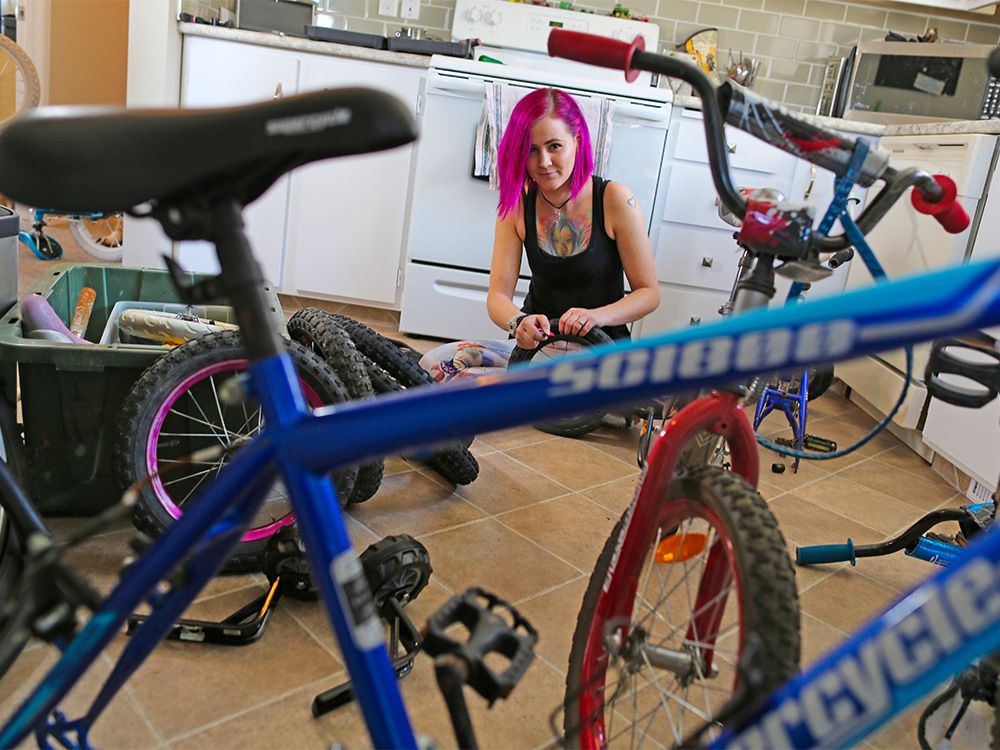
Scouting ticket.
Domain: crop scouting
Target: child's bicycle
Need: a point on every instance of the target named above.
(97, 232)
(730, 657)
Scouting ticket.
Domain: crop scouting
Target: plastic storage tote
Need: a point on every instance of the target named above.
(71, 394)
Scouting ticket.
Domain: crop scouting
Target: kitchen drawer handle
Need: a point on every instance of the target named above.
(707, 262)
(695, 320)
(278, 91)
(731, 148)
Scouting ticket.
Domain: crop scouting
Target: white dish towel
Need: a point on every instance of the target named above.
(497, 105)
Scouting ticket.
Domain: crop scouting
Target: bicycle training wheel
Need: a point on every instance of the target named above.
(101, 236)
(178, 406)
(316, 330)
(20, 87)
(654, 655)
(559, 345)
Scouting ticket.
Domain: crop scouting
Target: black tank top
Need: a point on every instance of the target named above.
(592, 278)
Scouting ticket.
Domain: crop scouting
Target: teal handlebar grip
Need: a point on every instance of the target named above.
(825, 553)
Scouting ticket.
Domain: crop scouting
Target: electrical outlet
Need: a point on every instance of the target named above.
(388, 8)
(410, 9)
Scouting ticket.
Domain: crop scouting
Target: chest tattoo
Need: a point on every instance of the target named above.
(563, 235)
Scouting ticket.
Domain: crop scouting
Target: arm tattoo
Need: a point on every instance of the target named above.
(632, 201)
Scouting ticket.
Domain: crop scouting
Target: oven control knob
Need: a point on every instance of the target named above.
(474, 14)
(494, 17)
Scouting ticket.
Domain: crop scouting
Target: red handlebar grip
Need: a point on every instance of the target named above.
(948, 211)
(596, 50)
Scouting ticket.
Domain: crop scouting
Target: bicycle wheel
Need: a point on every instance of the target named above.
(20, 87)
(820, 380)
(175, 408)
(396, 358)
(101, 236)
(317, 330)
(654, 656)
(559, 345)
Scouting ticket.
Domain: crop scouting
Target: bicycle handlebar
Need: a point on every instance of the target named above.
(773, 124)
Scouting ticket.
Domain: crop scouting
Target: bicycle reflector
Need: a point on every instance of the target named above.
(679, 547)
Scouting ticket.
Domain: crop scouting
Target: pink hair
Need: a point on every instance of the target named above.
(515, 146)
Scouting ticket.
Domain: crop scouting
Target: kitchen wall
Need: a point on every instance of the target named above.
(792, 38)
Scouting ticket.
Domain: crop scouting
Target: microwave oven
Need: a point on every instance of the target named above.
(922, 81)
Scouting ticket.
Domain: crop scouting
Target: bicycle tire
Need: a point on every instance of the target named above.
(394, 357)
(165, 327)
(820, 380)
(149, 414)
(108, 246)
(457, 465)
(27, 85)
(11, 557)
(765, 596)
(570, 427)
(317, 330)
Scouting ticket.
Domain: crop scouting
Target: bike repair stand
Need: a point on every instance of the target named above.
(794, 406)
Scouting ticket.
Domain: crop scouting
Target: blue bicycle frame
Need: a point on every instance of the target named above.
(935, 631)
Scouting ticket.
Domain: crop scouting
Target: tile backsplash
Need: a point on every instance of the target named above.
(791, 38)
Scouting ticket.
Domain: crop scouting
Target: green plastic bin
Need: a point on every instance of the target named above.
(71, 395)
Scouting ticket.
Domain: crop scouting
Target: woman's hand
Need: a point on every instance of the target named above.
(577, 321)
(531, 331)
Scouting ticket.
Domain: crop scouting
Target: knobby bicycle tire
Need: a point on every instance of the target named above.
(150, 412)
(32, 94)
(318, 330)
(107, 248)
(764, 593)
(396, 358)
(457, 465)
(571, 427)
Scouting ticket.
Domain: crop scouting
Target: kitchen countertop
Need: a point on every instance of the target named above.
(949, 127)
(692, 102)
(282, 41)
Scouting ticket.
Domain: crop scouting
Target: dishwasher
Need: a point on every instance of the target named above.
(906, 243)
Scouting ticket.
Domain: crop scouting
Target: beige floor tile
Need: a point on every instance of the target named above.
(855, 500)
(572, 463)
(818, 638)
(620, 443)
(616, 495)
(830, 404)
(788, 481)
(804, 523)
(514, 437)
(572, 527)
(185, 685)
(846, 600)
(121, 727)
(505, 484)
(919, 492)
(554, 615)
(412, 503)
(845, 430)
(490, 555)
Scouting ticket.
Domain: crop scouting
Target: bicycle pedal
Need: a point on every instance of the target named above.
(821, 445)
(494, 627)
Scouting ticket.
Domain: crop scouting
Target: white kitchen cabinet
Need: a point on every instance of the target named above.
(345, 217)
(694, 251)
(217, 73)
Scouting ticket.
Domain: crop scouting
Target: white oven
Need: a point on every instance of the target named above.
(451, 217)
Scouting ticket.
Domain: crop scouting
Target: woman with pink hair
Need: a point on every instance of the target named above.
(579, 232)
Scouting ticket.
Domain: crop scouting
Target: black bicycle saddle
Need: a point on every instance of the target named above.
(105, 159)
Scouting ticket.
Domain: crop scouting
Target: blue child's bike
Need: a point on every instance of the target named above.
(689, 628)
(97, 232)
